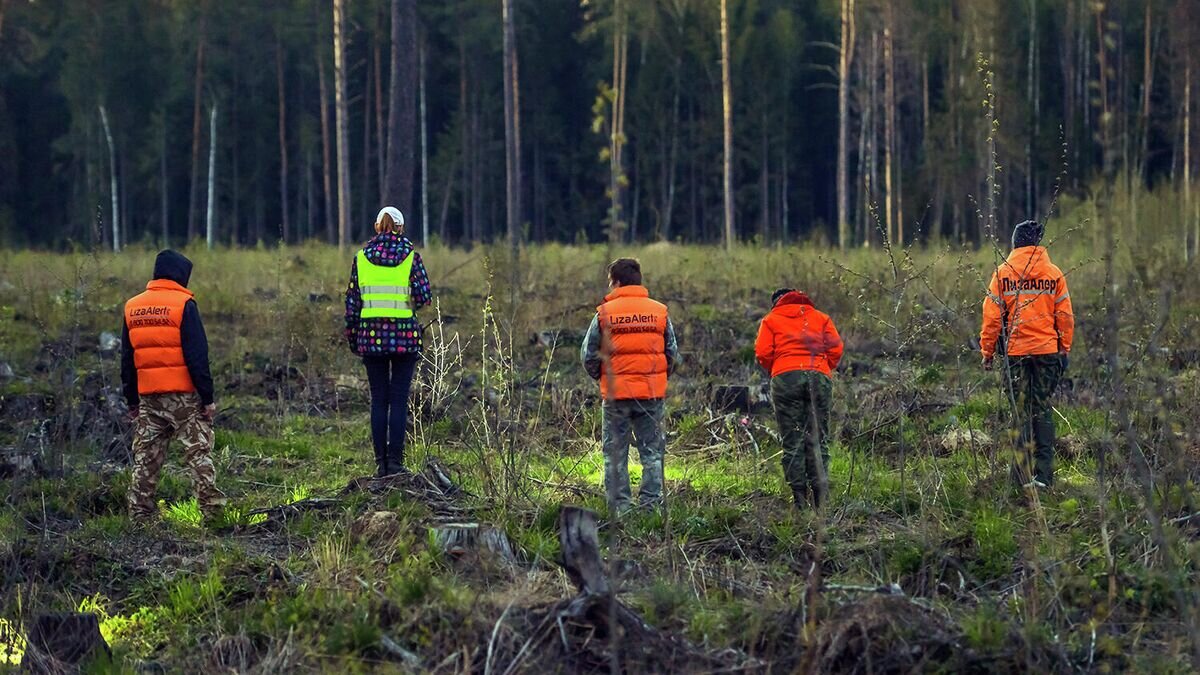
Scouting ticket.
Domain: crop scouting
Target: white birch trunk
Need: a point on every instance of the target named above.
(210, 217)
(112, 181)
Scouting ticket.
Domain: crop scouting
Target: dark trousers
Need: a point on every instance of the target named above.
(1032, 381)
(802, 400)
(390, 378)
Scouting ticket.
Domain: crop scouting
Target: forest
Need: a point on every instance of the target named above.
(850, 121)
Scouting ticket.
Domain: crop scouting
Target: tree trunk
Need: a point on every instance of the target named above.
(164, 185)
(727, 116)
(380, 129)
(401, 109)
(197, 91)
(1187, 158)
(210, 221)
(1147, 90)
(424, 147)
(845, 57)
(283, 150)
(616, 169)
(669, 209)
(326, 160)
(512, 132)
(342, 121)
(364, 209)
(1031, 87)
(112, 180)
(764, 178)
(889, 123)
(464, 108)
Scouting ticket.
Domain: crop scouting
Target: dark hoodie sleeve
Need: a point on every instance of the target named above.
(195, 351)
(353, 304)
(129, 380)
(418, 280)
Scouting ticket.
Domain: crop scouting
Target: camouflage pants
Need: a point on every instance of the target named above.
(802, 400)
(1032, 381)
(162, 417)
(624, 420)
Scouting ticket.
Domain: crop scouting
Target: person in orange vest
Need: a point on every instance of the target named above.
(799, 347)
(388, 284)
(630, 349)
(168, 386)
(1028, 319)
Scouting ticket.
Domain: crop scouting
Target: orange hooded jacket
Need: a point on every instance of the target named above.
(1028, 305)
(796, 336)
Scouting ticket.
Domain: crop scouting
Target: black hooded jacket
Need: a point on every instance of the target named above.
(174, 267)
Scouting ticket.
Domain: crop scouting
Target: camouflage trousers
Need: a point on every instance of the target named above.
(162, 417)
(1032, 381)
(633, 419)
(802, 400)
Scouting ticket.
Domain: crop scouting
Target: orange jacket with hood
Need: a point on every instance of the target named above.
(1027, 305)
(796, 336)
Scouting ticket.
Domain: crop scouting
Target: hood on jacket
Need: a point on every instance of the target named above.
(791, 303)
(173, 266)
(387, 249)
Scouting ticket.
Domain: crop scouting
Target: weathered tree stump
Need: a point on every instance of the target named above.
(579, 538)
(460, 539)
(68, 637)
(15, 464)
(728, 398)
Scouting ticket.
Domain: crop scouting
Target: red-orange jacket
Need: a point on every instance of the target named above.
(154, 318)
(796, 336)
(633, 348)
(1027, 304)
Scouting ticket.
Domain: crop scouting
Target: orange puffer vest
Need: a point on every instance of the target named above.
(154, 319)
(633, 345)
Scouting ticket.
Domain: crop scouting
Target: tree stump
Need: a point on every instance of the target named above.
(15, 464)
(728, 398)
(579, 538)
(460, 539)
(67, 637)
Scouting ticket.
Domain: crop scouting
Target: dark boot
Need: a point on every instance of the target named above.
(800, 497)
(381, 463)
(395, 461)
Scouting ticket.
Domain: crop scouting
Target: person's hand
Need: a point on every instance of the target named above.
(208, 412)
(1064, 359)
(132, 414)
(987, 363)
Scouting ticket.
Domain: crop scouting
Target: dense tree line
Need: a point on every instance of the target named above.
(851, 120)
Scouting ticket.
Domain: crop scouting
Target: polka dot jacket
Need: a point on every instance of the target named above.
(386, 336)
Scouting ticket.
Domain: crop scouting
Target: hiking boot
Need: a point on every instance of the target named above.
(394, 463)
(1036, 484)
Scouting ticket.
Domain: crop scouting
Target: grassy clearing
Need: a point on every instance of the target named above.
(1077, 579)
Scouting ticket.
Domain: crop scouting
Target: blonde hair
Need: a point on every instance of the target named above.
(390, 219)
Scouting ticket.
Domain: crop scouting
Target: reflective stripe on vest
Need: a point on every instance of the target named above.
(385, 290)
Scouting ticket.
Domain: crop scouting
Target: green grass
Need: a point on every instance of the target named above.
(720, 566)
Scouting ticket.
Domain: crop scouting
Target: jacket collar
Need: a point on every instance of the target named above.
(794, 298)
(167, 285)
(627, 292)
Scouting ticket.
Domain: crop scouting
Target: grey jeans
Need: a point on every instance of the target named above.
(624, 421)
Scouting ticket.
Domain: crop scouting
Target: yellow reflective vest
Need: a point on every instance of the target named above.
(385, 291)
